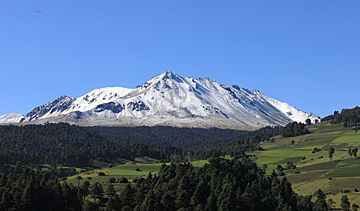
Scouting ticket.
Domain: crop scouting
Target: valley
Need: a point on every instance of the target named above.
(293, 167)
(336, 176)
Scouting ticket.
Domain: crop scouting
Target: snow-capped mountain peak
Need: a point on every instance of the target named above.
(171, 99)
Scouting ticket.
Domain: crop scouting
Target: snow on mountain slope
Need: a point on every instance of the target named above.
(10, 118)
(170, 99)
(290, 111)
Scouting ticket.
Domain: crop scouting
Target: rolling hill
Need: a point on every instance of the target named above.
(314, 169)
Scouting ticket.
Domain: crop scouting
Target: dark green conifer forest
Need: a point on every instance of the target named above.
(31, 176)
(223, 184)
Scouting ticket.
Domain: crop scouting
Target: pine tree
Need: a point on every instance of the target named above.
(110, 191)
(305, 204)
(211, 202)
(320, 203)
(345, 204)
(59, 200)
(355, 207)
(97, 190)
(167, 202)
(138, 195)
(66, 190)
(79, 195)
(228, 203)
(85, 189)
(73, 203)
(308, 121)
(4, 204)
(151, 203)
(331, 152)
(200, 195)
(97, 193)
(183, 193)
(27, 195)
(126, 196)
(355, 151)
(113, 203)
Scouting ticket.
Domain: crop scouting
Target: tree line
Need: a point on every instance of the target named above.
(64, 144)
(348, 117)
(223, 184)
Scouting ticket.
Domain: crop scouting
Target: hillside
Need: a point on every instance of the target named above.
(314, 169)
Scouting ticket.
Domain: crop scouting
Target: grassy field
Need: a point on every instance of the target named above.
(337, 176)
(129, 171)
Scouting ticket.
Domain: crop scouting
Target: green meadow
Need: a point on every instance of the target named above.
(314, 169)
(129, 171)
(337, 176)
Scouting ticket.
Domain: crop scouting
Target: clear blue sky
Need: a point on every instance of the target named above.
(303, 52)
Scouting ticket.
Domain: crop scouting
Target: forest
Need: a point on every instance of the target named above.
(64, 144)
(348, 117)
(32, 160)
(223, 184)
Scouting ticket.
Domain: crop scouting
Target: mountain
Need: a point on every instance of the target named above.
(11, 118)
(170, 99)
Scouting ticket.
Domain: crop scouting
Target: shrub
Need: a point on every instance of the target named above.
(100, 174)
(112, 180)
(123, 180)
